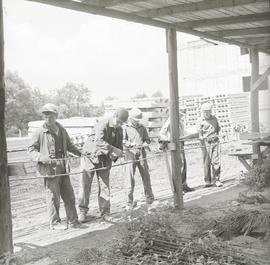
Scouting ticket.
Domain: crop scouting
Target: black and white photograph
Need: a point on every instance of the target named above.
(134, 132)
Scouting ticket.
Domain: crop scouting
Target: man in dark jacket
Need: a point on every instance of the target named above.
(49, 147)
(106, 148)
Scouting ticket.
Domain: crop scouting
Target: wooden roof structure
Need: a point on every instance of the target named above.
(245, 23)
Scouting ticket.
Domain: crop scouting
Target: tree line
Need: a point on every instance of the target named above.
(23, 103)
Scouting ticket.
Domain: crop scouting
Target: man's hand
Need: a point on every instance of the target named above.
(45, 159)
(117, 152)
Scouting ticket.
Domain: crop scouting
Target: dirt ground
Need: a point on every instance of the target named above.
(35, 244)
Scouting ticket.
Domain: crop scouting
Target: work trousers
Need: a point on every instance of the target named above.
(144, 172)
(211, 161)
(60, 187)
(85, 183)
(184, 165)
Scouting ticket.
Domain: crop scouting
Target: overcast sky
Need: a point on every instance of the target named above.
(50, 46)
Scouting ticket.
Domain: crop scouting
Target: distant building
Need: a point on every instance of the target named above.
(216, 68)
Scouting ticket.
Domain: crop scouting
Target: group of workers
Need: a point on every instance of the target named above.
(121, 135)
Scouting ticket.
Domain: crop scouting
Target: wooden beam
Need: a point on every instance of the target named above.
(109, 3)
(201, 23)
(193, 7)
(259, 81)
(254, 95)
(95, 10)
(171, 39)
(241, 32)
(6, 245)
(254, 40)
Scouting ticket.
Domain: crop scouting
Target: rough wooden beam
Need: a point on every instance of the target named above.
(95, 10)
(254, 40)
(109, 3)
(174, 118)
(241, 32)
(6, 245)
(201, 23)
(192, 7)
(259, 81)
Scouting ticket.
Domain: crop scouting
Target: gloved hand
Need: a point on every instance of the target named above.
(116, 152)
(44, 159)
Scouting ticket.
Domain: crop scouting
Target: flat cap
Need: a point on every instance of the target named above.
(49, 107)
(121, 114)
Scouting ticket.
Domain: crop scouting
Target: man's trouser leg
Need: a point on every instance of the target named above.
(184, 168)
(104, 190)
(68, 197)
(130, 173)
(215, 162)
(144, 171)
(85, 184)
(206, 163)
(52, 188)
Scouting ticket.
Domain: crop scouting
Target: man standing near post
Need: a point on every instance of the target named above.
(208, 129)
(106, 148)
(49, 147)
(184, 135)
(136, 139)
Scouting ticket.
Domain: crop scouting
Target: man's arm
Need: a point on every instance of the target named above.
(72, 147)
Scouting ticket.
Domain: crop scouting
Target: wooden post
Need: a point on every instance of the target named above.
(254, 94)
(6, 246)
(174, 118)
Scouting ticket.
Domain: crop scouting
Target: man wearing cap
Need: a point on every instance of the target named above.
(49, 147)
(208, 129)
(136, 139)
(184, 135)
(106, 148)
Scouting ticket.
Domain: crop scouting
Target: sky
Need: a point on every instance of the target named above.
(49, 46)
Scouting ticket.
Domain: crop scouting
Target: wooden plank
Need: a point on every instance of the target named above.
(176, 162)
(241, 32)
(109, 3)
(91, 9)
(194, 7)
(259, 81)
(6, 245)
(201, 23)
(245, 163)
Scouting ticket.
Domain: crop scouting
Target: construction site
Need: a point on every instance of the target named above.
(208, 224)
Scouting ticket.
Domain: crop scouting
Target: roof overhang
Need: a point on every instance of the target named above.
(245, 23)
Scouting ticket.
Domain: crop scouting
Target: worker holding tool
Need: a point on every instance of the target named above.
(208, 129)
(105, 148)
(136, 140)
(184, 135)
(49, 148)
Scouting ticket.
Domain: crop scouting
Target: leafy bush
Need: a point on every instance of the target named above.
(258, 177)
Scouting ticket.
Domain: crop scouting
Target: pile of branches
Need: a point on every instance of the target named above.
(150, 240)
(240, 222)
(258, 177)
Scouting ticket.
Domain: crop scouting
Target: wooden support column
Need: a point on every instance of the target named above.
(171, 38)
(254, 94)
(6, 246)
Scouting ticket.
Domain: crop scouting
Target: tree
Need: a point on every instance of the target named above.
(20, 106)
(157, 94)
(76, 97)
(140, 95)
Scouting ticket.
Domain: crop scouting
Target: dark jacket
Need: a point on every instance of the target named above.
(106, 137)
(40, 145)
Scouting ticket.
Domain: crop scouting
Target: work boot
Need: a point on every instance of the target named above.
(58, 226)
(82, 217)
(207, 184)
(186, 188)
(75, 225)
(218, 184)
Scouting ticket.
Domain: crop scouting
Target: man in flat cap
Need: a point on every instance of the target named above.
(106, 148)
(136, 139)
(49, 147)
